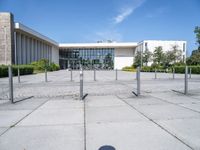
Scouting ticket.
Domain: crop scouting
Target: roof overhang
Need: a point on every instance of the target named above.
(21, 27)
(98, 45)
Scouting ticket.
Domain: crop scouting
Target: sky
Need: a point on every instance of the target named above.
(75, 21)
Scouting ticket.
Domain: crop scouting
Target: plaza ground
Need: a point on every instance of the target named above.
(53, 117)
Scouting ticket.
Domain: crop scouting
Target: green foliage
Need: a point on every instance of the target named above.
(129, 68)
(194, 59)
(158, 55)
(181, 69)
(137, 59)
(24, 70)
(197, 32)
(153, 68)
(43, 64)
(147, 56)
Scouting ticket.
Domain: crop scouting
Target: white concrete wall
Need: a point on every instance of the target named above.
(123, 57)
(55, 55)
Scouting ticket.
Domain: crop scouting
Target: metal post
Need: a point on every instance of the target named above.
(45, 75)
(71, 75)
(94, 74)
(81, 84)
(10, 83)
(18, 74)
(173, 72)
(116, 74)
(186, 80)
(138, 81)
(155, 73)
(190, 73)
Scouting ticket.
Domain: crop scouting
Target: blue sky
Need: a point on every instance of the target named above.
(120, 20)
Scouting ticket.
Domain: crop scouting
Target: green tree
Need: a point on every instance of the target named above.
(147, 56)
(137, 59)
(197, 32)
(158, 55)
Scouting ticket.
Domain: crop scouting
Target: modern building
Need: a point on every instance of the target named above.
(22, 45)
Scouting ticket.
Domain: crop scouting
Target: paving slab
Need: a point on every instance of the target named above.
(62, 104)
(186, 129)
(54, 117)
(43, 138)
(166, 112)
(193, 106)
(173, 97)
(128, 136)
(103, 101)
(29, 104)
(112, 114)
(10, 117)
(2, 130)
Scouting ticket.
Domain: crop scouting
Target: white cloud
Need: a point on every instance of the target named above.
(127, 11)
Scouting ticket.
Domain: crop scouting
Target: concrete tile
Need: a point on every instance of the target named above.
(2, 130)
(43, 138)
(112, 114)
(10, 117)
(193, 106)
(62, 104)
(186, 129)
(165, 112)
(54, 117)
(103, 101)
(129, 136)
(23, 105)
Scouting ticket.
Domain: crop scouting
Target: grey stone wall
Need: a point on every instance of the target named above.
(6, 38)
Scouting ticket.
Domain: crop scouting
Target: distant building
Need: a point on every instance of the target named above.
(22, 45)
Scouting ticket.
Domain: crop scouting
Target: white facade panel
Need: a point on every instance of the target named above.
(123, 57)
(55, 55)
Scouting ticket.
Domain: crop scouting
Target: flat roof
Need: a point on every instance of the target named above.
(98, 45)
(28, 30)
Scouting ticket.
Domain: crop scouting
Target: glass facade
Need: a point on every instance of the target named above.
(89, 58)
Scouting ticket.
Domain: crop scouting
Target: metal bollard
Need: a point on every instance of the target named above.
(186, 80)
(155, 73)
(116, 75)
(190, 73)
(10, 74)
(18, 74)
(45, 75)
(138, 81)
(94, 74)
(173, 72)
(81, 84)
(71, 74)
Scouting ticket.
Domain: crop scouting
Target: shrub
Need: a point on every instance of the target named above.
(181, 69)
(128, 68)
(43, 64)
(24, 70)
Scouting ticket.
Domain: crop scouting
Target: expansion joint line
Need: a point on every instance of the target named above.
(23, 118)
(156, 123)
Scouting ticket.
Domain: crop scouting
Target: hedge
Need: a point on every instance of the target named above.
(24, 70)
(152, 69)
(130, 69)
(181, 69)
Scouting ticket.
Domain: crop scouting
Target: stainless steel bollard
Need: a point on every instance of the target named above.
(186, 80)
(10, 74)
(173, 72)
(190, 73)
(45, 75)
(71, 74)
(18, 74)
(155, 73)
(81, 84)
(94, 74)
(138, 81)
(116, 75)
